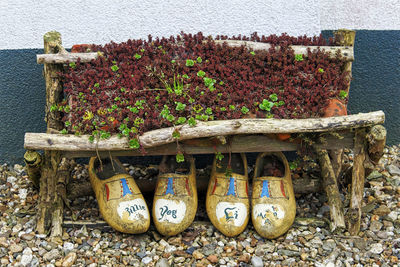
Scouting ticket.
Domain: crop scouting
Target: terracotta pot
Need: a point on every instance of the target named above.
(335, 108)
(79, 47)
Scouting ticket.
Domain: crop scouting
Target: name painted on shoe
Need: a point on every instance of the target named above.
(268, 213)
(172, 211)
(231, 213)
(133, 209)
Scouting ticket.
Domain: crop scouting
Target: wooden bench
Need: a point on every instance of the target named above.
(360, 132)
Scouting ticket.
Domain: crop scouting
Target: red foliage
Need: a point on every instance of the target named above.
(107, 92)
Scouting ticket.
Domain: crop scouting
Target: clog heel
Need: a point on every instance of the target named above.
(273, 202)
(175, 198)
(227, 201)
(120, 201)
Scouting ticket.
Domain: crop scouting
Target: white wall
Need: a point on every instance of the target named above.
(23, 23)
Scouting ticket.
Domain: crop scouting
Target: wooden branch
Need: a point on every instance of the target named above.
(65, 57)
(346, 51)
(77, 189)
(376, 142)
(357, 183)
(332, 191)
(37, 141)
(33, 161)
(62, 177)
(254, 143)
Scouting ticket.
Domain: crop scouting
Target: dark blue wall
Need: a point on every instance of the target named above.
(375, 86)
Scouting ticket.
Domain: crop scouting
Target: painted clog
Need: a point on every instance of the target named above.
(227, 201)
(175, 198)
(120, 201)
(273, 202)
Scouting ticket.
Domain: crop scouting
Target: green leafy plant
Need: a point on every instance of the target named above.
(189, 63)
(192, 121)
(298, 57)
(180, 158)
(244, 110)
(72, 65)
(180, 106)
(114, 68)
(201, 73)
(137, 56)
(219, 156)
(253, 53)
(343, 94)
(266, 105)
(321, 70)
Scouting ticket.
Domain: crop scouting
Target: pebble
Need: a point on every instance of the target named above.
(69, 260)
(393, 169)
(257, 261)
(376, 248)
(308, 241)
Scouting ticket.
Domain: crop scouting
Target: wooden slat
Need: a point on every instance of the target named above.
(253, 143)
(65, 57)
(346, 51)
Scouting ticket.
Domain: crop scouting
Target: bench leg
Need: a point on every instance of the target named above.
(357, 183)
(52, 190)
(332, 191)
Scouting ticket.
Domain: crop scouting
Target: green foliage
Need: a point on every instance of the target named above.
(134, 143)
(343, 94)
(189, 63)
(64, 131)
(180, 106)
(266, 105)
(321, 70)
(114, 68)
(137, 56)
(176, 134)
(192, 122)
(208, 111)
(232, 107)
(97, 85)
(298, 57)
(199, 60)
(180, 158)
(72, 65)
(181, 120)
(244, 110)
(253, 53)
(219, 156)
(201, 73)
(273, 97)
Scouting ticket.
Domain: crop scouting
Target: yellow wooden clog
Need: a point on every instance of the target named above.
(120, 201)
(175, 198)
(273, 203)
(227, 201)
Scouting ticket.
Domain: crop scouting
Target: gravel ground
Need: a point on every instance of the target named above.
(307, 243)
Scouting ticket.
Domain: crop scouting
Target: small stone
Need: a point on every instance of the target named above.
(15, 248)
(28, 237)
(146, 260)
(212, 258)
(375, 226)
(68, 246)
(169, 249)
(197, 255)
(382, 211)
(162, 263)
(244, 258)
(376, 248)
(329, 245)
(4, 242)
(257, 261)
(303, 256)
(393, 169)
(392, 216)
(26, 257)
(382, 235)
(179, 259)
(11, 179)
(69, 260)
(51, 255)
(374, 175)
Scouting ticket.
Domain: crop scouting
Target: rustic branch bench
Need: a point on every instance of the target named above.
(360, 132)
